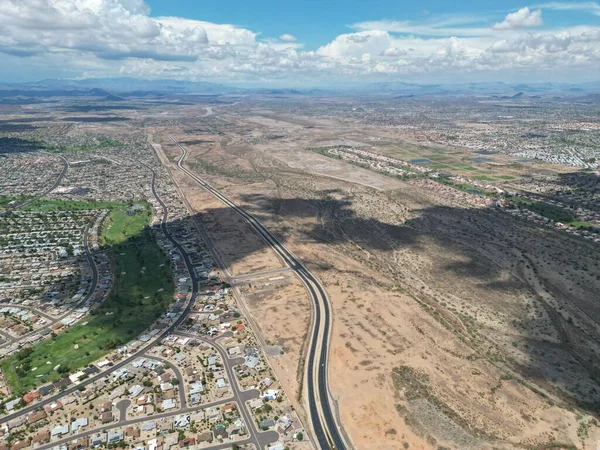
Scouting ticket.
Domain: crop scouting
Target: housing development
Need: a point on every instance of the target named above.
(298, 270)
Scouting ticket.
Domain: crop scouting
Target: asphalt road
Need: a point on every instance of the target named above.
(326, 429)
(257, 437)
(122, 406)
(51, 188)
(178, 375)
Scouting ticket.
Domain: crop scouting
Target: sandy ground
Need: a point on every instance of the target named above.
(454, 327)
(280, 304)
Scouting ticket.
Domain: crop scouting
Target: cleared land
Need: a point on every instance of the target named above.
(141, 292)
(454, 326)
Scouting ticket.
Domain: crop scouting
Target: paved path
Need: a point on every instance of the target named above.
(122, 406)
(325, 423)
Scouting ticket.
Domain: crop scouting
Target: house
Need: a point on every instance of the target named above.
(62, 384)
(187, 442)
(276, 446)
(10, 406)
(168, 404)
(106, 417)
(36, 416)
(213, 414)
(255, 403)
(251, 361)
(41, 438)
(196, 388)
(114, 436)
(78, 423)
(16, 422)
(267, 423)
(265, 383)
(60, 430)
(45, 390)
(283, 423)
(98, 439)
(149, 426)
(181, 421)
(220, 431)
(144, 399)
(221, 383)
(21, 444)
(135, 390)
(53, 407)
(132, 432)
(170, 440)
(271, 394)
(106, 406)
(154, 444)
(79, 444)
(31, 396)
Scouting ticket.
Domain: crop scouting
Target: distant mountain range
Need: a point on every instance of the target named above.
(115, 89)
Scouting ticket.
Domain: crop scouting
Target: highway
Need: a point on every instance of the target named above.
(327, 431)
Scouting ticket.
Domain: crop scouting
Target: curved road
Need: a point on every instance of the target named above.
(327, 431)
(51, 188)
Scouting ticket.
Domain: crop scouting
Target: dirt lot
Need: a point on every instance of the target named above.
(280, 304)
(454, 327)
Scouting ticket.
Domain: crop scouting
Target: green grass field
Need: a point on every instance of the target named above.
(141, 292)
(75, 205)
(119, 226)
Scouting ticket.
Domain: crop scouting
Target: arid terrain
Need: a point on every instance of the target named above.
(463, 287)
(455, 326)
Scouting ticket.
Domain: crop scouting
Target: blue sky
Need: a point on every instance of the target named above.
(315, 22)
(300, 43)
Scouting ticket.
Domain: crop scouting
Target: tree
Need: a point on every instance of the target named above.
(174, 381)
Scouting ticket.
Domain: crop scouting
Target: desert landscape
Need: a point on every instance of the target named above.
(456, 325)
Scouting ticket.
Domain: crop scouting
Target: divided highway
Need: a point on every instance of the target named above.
(327, 431)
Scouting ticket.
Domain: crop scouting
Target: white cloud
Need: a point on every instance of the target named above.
(287, 38)
(591, 7)
(523, 18)
(393, 51)
(112, 37)
(112, 29)
(446, 26)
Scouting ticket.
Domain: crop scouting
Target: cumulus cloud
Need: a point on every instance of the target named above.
(287, 38)
(393, 51)
(112, 29)
(120, 37)
(523, 18)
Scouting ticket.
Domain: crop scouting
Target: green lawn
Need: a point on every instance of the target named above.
(119, 226)
(142, 291)
(72, 205)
